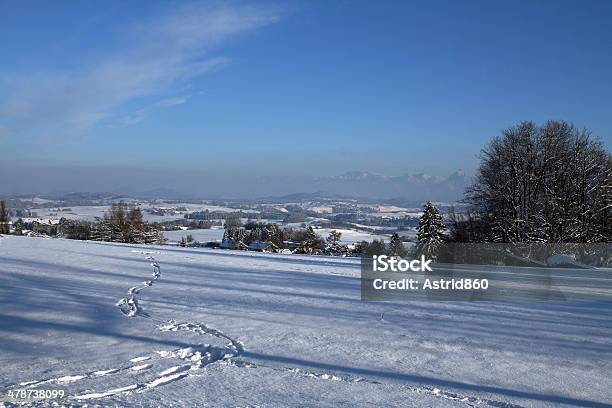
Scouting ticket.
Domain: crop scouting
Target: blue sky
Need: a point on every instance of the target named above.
(267, 87)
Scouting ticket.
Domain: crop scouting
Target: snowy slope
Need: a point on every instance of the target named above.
(227, 328)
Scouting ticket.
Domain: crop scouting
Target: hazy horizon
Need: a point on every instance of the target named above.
(203, 185)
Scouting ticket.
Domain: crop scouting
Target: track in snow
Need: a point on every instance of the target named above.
(191, 359)
(129, 304)
(468, 400)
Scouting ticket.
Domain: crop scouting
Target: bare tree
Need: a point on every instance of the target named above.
(124, 223)
(544, 184)
(233, 221)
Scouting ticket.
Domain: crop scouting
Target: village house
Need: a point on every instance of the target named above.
(45, 226)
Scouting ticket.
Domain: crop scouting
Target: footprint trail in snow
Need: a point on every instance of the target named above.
(191, 359)
(129, 304)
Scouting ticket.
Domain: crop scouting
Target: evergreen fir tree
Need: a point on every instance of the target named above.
(276, 236)
(19, 227)
(333, 246)
(376, 247)
(396, 247)
(74, 229)
(235, 237)
(430, 231)
(152, 234)
(4, 219)
(311, 244)
(101, 231)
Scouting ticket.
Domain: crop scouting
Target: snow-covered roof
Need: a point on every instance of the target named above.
(48, 221)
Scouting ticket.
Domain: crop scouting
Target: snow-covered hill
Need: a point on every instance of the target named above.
(227, 328)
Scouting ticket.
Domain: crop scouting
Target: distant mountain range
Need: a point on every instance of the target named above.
(413, 186)
(355, 184)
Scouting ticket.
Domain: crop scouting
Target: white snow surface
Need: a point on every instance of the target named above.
(200, 235)
(90, 212)
(565, 261)
(230, 328)
(351, 236)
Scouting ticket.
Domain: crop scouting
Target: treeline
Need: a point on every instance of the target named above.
(304, 241)
(121, 223)
(175, 225)
(550, 183)
(299, 240)
(271, 237)
(207, 215)
(395, 247)
(238, 237)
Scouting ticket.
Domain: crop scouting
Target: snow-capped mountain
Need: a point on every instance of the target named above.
(418, 186)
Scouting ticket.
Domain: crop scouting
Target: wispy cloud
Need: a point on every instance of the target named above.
(177, 100)
(134, 119)
(142, 113)
(161, 52)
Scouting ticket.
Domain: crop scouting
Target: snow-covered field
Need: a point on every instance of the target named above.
(200, 235)
(90, 212)
(351, 236)
(198, 327)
